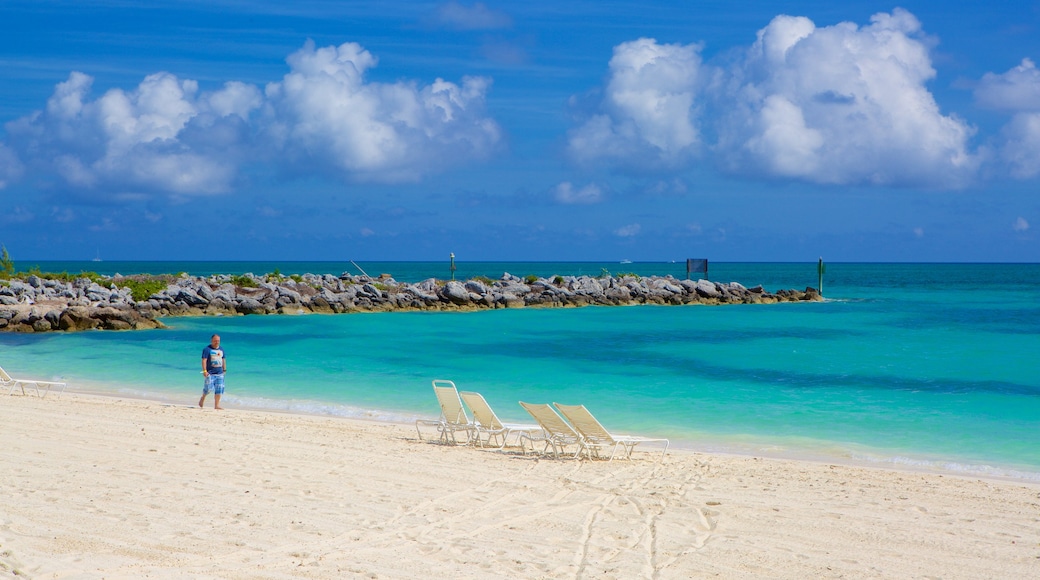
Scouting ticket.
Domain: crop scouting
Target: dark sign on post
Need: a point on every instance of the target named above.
(697, 265)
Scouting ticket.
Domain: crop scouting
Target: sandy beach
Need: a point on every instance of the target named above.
(97, 487)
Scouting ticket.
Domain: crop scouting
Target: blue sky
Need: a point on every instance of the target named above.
(330, 130)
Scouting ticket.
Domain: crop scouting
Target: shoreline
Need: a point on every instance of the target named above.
(108, 486)
(844, 453)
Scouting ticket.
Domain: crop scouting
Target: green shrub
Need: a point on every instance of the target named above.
(244, 282)
(530, 278)
(484, 279)
(296, 278)
(142, 289)
(6, 264)
(558, 280)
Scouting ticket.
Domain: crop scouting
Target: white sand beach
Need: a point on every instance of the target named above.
(97, 487)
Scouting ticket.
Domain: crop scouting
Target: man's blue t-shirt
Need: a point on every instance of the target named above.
(214, 360)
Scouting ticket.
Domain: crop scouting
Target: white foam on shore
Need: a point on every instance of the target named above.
(820, 451)
(292, 406)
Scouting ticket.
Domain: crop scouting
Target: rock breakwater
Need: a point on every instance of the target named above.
(39, 304)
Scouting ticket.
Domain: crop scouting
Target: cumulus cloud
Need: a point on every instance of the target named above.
(1016, 90)
(476, 17)
(566, 193)
(1020, 145)
(649, 107)
(326, 112)
(133, 141)
(1020, 225)
(841, 104)
(167, 137)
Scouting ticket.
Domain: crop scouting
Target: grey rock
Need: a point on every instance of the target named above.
(707, 289)
(456, 293)
(476, 287)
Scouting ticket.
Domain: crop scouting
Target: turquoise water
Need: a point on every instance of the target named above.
(932, 365)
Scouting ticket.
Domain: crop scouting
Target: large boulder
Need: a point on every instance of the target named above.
(250, 306)
(476, 287)
(456, 293)
(707, 289)
(76, 318)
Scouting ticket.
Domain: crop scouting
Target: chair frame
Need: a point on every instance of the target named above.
(488, 423)
(453, 415)
(7, 381)
(556, 432)
(594, 435)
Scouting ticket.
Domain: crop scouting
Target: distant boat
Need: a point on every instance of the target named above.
(97, 258)
(626, 261)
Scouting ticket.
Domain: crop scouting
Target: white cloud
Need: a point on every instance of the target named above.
(10, 167)
(476, 17)
(919, 232)
(566, 193)
(841, 104)
(1016, 90)
(648, 110)
(1020, 145)
(166, 137)
(628, 231)
(326, 113)
(138, 140)
(1020, 225)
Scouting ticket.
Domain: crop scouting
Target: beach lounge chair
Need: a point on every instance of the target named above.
(453, 416)
(487, 422)
(556, 433)
(12, 383)
(595, 437)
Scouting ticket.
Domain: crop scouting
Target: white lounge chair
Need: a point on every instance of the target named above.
(487, 422)
(556, 433)
(453, 416)
(595, 437)
(12, 383)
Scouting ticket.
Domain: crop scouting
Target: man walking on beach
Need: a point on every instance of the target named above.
(214, 365)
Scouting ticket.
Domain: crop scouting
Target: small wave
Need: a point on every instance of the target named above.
(953, 467)
(307, 407)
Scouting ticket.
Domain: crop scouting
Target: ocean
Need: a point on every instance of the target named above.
(928, 366)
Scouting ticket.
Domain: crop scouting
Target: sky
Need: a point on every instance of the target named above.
(569, 131)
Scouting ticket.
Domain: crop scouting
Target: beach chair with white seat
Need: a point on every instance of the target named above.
(556, 433)
(453, 416)
(7, 381)
(488, 423)
(595, 437)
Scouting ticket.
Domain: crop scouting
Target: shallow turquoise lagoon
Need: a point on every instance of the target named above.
(926, 365)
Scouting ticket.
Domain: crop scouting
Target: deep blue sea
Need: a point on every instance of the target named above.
(932, 366)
